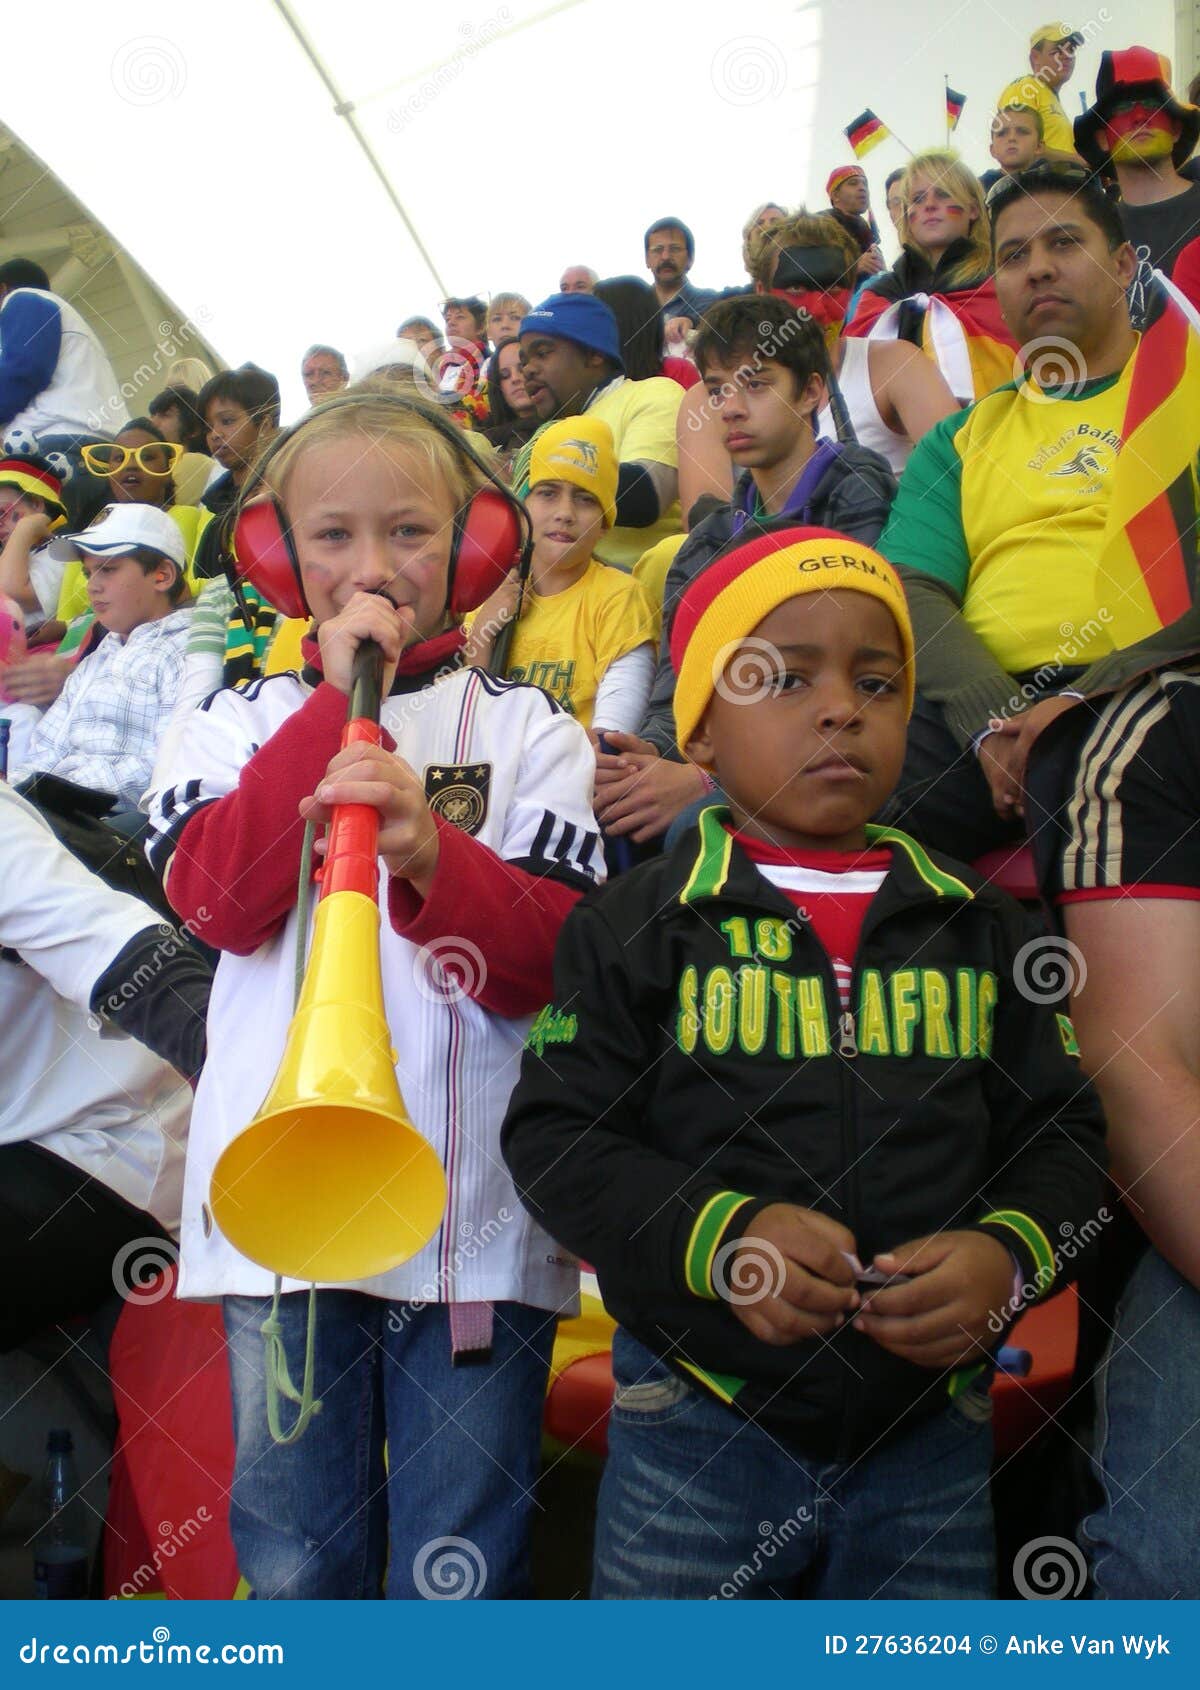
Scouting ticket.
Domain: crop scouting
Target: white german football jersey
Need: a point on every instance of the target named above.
(508, 765)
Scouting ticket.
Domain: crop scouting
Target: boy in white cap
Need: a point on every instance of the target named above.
(103, 729)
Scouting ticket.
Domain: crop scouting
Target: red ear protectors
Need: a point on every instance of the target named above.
(490, 531)
(487, 543)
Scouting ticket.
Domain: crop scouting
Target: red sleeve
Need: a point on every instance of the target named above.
(1186, 272)
(681, 370)
(508, 917)
(234, 872)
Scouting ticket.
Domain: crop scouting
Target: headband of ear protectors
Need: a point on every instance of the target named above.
(809, 269)
(491, 531)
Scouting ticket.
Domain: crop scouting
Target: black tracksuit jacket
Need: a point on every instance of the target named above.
(696, 1065)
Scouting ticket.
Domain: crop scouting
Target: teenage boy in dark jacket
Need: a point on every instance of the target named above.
(799, 1102)
(765, 366)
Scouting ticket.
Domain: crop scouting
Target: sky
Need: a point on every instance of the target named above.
(518, 136)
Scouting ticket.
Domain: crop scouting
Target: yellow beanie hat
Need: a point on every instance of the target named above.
(728, 600)
(579, 450)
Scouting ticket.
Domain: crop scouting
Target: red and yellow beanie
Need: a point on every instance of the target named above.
(37, 480)
(842, 173)
(725, 604)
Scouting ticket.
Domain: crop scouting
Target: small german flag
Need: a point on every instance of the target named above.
(865, 132)
(954, 105)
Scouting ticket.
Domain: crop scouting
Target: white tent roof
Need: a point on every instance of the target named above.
(142, 330)
(220, 141)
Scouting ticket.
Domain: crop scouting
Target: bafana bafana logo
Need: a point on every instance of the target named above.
(458, 792)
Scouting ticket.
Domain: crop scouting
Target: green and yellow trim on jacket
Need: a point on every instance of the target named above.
(1036, 1244)
(711, 1225)
(710, 870)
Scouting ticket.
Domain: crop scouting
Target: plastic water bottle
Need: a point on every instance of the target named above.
(60, 1563)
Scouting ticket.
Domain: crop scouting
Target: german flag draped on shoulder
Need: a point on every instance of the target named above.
(1147, 573)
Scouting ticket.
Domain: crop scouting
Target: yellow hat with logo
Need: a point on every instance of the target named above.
(579, 450)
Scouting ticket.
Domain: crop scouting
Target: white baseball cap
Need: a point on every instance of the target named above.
(118, 528)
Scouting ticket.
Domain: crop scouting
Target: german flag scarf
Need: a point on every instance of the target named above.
(961, 329)
(1147, 574)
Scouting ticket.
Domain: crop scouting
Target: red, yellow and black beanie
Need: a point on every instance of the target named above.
(725, 603)
(37, 480)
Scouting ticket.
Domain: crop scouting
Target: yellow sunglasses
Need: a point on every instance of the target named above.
(108, 459)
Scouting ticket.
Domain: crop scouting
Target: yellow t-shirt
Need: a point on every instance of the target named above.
(651, 571)
(566, 642)
(1030, 90)
(642, 416)
(1036, 483)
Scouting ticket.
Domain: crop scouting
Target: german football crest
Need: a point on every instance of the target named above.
(458, 792)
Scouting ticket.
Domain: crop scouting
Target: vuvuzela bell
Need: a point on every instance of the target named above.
(331, 1181)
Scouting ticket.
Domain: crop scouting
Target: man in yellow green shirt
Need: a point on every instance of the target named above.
(1020, 525)
(1051, 66)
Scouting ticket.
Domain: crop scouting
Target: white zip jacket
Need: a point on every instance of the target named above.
(505, 763)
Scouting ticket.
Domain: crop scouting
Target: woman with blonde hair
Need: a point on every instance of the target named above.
(939, 294)
(188, 372)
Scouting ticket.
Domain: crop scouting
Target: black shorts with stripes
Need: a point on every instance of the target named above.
(1119, 791)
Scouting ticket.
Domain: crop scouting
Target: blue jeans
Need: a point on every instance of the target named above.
(697, 1501)
(1142, 1539)
(449, 1513)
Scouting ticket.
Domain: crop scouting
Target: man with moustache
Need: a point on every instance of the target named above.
(670, 254)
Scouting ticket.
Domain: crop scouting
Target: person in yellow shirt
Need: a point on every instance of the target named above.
(1045, 535)
(585, 631)
(572, 363)
(1051, 66)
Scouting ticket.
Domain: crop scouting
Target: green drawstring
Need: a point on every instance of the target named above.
(278, 1379)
